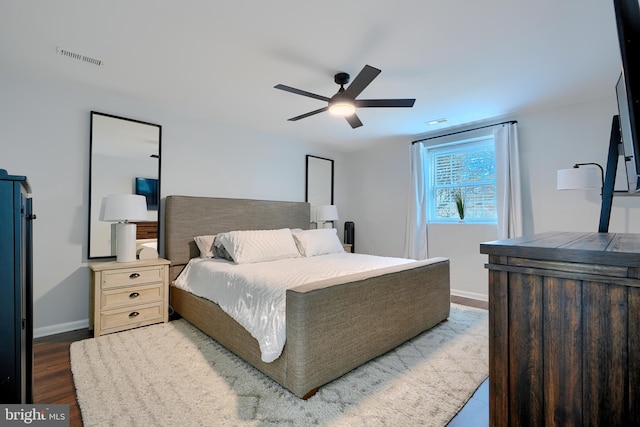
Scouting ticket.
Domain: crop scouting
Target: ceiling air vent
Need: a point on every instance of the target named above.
(79, 57)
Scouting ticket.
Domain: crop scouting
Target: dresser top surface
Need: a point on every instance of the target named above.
(114, 265)
(603, 248)
(4, 176)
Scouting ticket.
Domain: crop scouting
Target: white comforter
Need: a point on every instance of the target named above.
(254, 294)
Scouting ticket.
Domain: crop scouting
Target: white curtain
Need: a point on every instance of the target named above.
(416, 237)
(508, 181)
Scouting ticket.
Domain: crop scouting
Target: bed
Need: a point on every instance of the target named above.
(332, 325)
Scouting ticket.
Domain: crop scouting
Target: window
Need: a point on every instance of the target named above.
(467, 168)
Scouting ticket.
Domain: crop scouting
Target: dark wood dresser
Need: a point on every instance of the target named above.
(564, 329)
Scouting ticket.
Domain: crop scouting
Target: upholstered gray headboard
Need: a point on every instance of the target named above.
(187, 217)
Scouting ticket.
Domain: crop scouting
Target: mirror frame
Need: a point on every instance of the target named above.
(313, 163)
(91, 177)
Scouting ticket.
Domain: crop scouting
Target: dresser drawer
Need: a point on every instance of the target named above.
(126, 318)
(112, 298)
(133, 276)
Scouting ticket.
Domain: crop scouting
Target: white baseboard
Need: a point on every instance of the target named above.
(60, 328)
(472, 295)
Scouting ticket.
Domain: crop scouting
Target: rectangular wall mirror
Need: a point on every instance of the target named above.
(124, 159)
(319, 183)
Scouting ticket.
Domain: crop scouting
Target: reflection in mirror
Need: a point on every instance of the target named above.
(319, 180)
(125, 159)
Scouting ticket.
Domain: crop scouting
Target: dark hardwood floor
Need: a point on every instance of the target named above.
(53, 382)
(52, 379)
(470, 302)
(476, 412)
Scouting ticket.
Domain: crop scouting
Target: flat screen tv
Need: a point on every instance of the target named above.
(148, 187)
(628, 87)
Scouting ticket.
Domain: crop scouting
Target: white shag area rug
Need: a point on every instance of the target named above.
(173, 375)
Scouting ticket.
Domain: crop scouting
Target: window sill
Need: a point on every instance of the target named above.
(462, 222)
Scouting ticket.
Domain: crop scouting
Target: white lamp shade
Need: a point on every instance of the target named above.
(327, 213)
(578, 179)
(123, 207)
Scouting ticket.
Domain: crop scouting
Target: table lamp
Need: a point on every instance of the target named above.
(122, 208)
(325, 214)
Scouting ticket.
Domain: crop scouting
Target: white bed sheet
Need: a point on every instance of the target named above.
(255, 294)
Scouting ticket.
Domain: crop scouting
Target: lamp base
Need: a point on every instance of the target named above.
(125, 242)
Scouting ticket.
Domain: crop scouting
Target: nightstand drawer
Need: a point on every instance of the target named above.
(131, 295)
(116, 320)
(133, 276)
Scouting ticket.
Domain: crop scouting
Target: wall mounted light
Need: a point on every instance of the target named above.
(580, 178)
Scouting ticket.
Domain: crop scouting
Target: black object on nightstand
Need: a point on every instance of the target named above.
(350, 234)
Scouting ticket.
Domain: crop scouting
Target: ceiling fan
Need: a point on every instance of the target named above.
(344, 103)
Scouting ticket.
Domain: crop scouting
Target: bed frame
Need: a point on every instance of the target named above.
(332, 326)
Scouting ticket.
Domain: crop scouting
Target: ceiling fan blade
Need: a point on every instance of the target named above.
(354, 121)
(311, 113)
(364, 103)
(301, 92)
(362, 80)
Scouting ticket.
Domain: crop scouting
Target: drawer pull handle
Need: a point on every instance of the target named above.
(134, 275)
(134, 314)
(134, 295)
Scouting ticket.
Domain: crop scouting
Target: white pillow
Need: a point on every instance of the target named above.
(318, 242)
(205, 244)
(219, 250)
(251, 246)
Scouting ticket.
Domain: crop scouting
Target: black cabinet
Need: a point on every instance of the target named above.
(16, 299)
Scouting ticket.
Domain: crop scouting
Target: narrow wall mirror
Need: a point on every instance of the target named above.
(124, 159)
(319, 182)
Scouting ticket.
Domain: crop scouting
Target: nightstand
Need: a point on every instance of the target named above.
(348, 247)
(125, 295)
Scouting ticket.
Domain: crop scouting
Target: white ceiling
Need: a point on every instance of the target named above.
(466, 60)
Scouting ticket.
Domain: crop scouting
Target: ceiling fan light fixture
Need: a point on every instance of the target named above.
(342, 108)
(344, 103)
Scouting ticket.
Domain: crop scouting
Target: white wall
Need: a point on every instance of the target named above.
(550, 140)
(377, 188)
(557, 139)
(44, 134)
